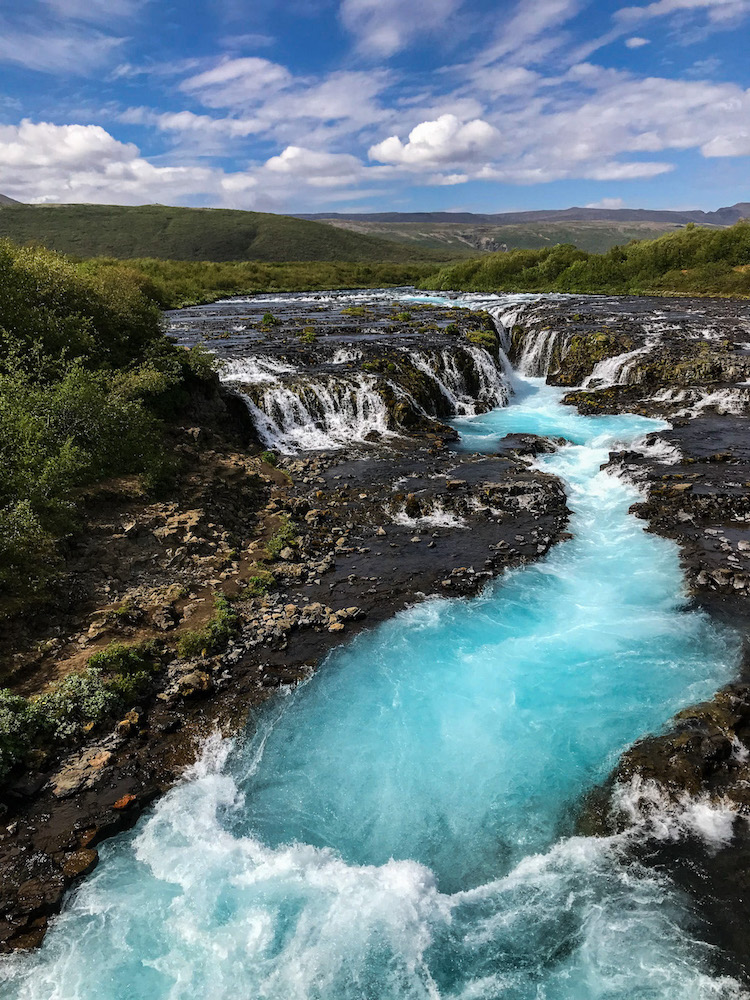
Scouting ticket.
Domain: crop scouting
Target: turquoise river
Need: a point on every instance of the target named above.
(402, 826)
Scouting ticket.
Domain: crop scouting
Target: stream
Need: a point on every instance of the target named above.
(402, 825)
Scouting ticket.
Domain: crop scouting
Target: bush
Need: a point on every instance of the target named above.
(65, 312)
(119, 658)
(215, 634)
(691, 261)
(286, 535)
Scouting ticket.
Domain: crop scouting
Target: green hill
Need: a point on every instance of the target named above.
(213, 234)
(692, 261)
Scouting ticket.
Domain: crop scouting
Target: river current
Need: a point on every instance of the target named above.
(402, 825)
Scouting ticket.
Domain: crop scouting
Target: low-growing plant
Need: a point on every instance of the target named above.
(308, 335)
(285, 536)
(214, 636)
(119, 658)
(260, 583)
(270, 320)
(483, 338)
(270, 458)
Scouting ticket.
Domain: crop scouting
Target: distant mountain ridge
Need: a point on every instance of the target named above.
(5, 200)
(721, 217)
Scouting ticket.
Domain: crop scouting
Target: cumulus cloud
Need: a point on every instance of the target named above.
(42, 162)
(383, 27)
(636, 43)
(434, 143)
(316, 168)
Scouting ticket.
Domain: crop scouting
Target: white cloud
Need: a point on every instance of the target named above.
(237, 82)
(432, 143)
(383, 27)
(73, 50)
(716, 10)
(636, 43)
(42, 162)
(531, 33)
(316, 168)
(734, 143)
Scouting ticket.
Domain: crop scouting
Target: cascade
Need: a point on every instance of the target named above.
(318, 412)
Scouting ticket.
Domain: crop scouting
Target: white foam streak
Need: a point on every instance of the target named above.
(254, 369)
(652, 814)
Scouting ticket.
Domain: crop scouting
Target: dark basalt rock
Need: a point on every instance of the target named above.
(528, 445)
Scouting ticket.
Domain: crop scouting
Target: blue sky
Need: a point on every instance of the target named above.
(373, 105)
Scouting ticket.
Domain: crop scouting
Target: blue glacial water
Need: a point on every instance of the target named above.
(400, 827)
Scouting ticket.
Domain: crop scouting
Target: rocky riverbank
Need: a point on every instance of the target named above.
(306, 548)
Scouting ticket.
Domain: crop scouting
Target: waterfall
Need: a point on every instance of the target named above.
(616, 370)
(537, 347)
(318, 413)
(297, 410)
(467, 377)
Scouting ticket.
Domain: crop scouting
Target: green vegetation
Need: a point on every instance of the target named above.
(483, 338)
(308, 335)
(195, 234)
(270, 458)
(285, 536)
(693, 261)
(270, 320)
(214, 635)
(86, 379)
(112, 681)
(174, 283)
(260, 583)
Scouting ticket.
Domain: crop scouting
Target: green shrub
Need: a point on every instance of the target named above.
(270, 458)
(270, 320)
(260, 583)
(693, 260)
(119, 658)
(308, 335)
(215, 634)
(285, 536)
(65, 311)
